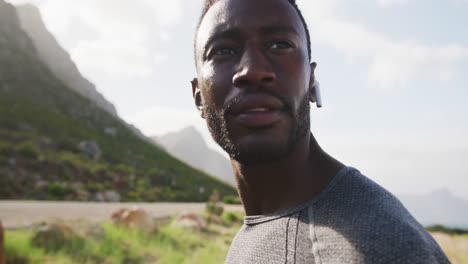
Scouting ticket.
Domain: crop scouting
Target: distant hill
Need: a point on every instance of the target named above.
(189, 146)
(438, 208)
(57, 144)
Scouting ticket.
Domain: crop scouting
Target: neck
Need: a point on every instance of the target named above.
(269, 187)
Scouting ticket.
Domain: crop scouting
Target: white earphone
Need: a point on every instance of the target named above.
(318, 94)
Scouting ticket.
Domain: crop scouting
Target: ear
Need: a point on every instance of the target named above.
(197, 97)
(313, 93)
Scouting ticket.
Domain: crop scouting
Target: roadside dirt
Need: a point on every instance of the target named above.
(21, 214)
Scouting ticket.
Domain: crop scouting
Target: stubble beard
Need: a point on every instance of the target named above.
(217, 124)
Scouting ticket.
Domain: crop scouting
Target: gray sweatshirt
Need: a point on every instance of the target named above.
(353, 220)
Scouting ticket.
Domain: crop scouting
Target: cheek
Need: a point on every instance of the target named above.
(217, 83)
(294, 82)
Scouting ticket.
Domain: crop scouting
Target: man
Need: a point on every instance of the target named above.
(254, 84)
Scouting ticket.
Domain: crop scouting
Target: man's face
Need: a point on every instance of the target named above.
(253, 78)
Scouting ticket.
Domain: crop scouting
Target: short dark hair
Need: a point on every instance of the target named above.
(209, 3)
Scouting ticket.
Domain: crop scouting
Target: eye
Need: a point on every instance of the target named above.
(222, 52)
(281, 45)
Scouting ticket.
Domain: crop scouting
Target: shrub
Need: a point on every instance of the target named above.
(58, 190)
(446, 230)
(53, 237)
(6, 149)
(94, 187)
(66, 144)
(123, 168)
(230, 218)
(28, 150)
(213, 206)
(71, 159)
(231, 199)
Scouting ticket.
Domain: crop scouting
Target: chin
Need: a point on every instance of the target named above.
(254, 150)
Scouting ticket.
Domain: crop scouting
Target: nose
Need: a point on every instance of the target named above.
(254, 70)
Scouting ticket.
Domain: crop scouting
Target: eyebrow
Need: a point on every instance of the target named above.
(225, 34)
(236, 34)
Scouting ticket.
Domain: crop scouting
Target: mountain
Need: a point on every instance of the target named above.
(188, 145)
(57, 144)
(60, 63)
(439, 207)
(56, 58)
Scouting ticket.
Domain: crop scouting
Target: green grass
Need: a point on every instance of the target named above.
(168, 244)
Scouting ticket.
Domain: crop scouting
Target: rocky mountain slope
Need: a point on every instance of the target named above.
(57, 144)
(60, 63)
(56, 58)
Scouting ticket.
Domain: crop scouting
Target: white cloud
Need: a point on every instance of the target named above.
(112, 58)
(127, 32)
(386, 3)
(392, 62)
(395, 64)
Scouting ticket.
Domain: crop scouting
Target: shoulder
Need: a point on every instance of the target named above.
(356, 193)
(368, 221)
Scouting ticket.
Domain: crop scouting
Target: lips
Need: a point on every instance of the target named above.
(257, 110)
(256, 103)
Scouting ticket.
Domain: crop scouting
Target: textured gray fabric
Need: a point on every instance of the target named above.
(353, 220)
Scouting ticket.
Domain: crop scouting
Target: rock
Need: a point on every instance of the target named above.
(55, 236)
(98, 197)
(111, 196)
(90, 149)
(134, 218)
(41, 184)
(82, 195)
(191, 221)
(111, 131)
(45, 143)
(107, 196)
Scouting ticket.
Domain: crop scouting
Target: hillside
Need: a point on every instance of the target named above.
(57, 144)
(56, 58)
(60, 63)
(187, 145)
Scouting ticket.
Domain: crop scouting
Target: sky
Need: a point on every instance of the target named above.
(392, 74)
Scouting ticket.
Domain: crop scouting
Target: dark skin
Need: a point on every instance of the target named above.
(254, 50)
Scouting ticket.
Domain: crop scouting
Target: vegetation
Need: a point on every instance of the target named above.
(45, 127)
(446, 230)
(231, 199)
(214, 209)
(169, 244)
(230, 218)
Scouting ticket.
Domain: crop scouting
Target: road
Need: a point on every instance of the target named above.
(19, 214)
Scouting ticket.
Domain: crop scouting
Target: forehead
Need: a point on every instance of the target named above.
(247, 16)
